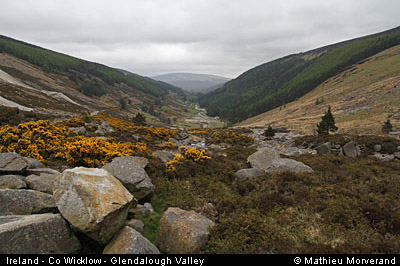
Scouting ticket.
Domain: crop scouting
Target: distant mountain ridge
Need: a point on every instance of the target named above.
(193, 82)
(50, 82)
(283, 80)
(362, 97)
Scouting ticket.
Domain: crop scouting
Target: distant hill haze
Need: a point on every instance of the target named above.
(193, 82)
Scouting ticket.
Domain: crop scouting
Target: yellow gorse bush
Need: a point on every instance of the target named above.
(96, 151)
(45, 140)
(172, 165)
(195, 154)
(147, 133)
(168, 145)
(74, 122)
(188, 153)
(36, 139)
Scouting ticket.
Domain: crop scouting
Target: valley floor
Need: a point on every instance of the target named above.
(347, 204)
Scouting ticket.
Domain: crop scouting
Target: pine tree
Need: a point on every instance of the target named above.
(269, 132)
(139, 119)
(327, 124)
(387, 127)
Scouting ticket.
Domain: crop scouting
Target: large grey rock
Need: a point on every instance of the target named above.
(42, 182)
(34, 234)
(324, 148)
(10, 218)
(39, 171)
(182, 232)
(23, 201)
(33, 163)
(352, 149)
(164, 156)
(11, 182)
(92, 201)
(132, 175)
(288, 165)
(141, 160)
(396, 155)
(270, 161)
(262, 157)
(130, 241)
(12, 163)
(244, 174)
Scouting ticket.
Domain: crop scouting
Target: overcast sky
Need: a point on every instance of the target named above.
(221, 37)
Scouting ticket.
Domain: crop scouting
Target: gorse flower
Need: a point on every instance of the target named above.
(195, 154)
(172, 165)
(168, 145)
(45, 140)
(146, 133)
(188, 153)
(74, 122)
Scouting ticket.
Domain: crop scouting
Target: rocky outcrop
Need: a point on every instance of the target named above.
(130, 241)
(132, 175)
(24, 201)
(182, 232)
(39, 171)
(33, 163)
(164, 156)
(351, 149)
(262, 158)
(93, 201)
(324, 148)
(244, 174)
(12, 163)
(270, 161)
(12, 182)
(34, 234)
(288, 165)
(143, 162)
(42, 182)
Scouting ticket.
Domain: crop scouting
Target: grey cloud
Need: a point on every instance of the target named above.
(209, 36)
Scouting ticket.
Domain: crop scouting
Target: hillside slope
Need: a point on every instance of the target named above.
(58, 84)
(362, 97)
(276, 83)
(193, 82)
